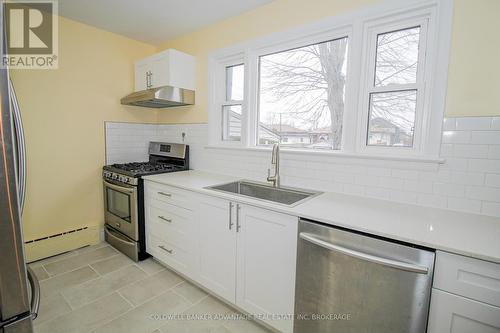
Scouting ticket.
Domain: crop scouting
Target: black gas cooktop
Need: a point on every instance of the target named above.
(136, 169)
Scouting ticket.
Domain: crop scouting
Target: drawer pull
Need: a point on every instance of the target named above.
(165, 219)
(165, 194)
(238, 225)
(230, 215)
(165, 249)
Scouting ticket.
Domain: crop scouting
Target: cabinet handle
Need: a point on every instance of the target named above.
(149, 83)
(165, 194)
(238, 226)
(231, 216)
(165, 219)
(165, 249)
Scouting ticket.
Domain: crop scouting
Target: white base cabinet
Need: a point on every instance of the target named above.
(266, 259)
(244, 254)
(465, 296)
(455, 314)
(171, 227)
(247, 256)
(217, 243)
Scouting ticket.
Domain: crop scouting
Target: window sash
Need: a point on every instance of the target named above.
(228, 86)
(254, 74)
(331, 36)
(376, 49)
(368, 82)
(218, 92)
(226, 122)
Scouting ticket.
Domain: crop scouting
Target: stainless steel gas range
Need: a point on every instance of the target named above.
(124, 195)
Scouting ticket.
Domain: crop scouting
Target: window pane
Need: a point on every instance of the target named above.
(392, 118)
(234, 83)
(231, 122)
(301, 96)
(118, 204)
(397, 57)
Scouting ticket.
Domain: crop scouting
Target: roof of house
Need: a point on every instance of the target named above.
(383, 123)
(284, 128)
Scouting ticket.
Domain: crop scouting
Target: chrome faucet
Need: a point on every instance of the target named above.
(275, 160)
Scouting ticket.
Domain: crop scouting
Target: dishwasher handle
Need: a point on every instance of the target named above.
(364, 256)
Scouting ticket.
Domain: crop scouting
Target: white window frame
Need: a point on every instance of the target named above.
(230, 102)
(332, 34)
(422, 111)
(361, 27)
(217, 79)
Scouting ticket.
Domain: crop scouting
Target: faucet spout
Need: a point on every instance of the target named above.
(275, 161)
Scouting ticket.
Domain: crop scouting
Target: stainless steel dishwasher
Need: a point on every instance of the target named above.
(352, 282)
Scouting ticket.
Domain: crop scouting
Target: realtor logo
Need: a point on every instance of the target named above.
(31, 35)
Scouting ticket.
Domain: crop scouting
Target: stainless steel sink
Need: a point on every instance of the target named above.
(282, 195)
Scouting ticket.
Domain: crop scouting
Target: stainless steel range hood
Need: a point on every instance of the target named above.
(161, 97)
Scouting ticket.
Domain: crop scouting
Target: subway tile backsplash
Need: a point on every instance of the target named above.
(469, 180)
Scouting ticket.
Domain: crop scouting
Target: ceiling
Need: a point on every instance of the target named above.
(153, 21)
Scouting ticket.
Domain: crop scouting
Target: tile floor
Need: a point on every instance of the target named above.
(97, 289)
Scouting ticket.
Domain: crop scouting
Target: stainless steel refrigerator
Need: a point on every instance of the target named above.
(19, 288)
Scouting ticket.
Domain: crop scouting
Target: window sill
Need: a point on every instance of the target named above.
(336, 154)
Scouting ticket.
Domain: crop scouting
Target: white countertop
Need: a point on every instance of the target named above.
(467, 234)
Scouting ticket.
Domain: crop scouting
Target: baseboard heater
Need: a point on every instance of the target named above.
(51, 245)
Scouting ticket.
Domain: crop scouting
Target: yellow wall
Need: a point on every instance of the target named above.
(64, 112)
(473, 76)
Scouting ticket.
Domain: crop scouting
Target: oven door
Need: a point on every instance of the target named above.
(120, 208)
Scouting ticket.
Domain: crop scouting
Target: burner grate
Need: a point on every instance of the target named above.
(145, 167)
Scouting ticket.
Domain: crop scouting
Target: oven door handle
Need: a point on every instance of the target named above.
(119, 238)
(120, 188)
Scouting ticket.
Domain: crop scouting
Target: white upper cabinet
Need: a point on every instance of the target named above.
(167, 68)
(142, 70)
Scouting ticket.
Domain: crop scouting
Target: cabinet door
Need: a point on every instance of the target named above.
(160, 70)
(217, 244)
(450, 313)
(267, 248)
(142, 67)
(173, 68)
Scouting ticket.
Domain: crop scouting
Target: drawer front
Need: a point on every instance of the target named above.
(170, 255)
(455, 314)
(472, 278)
(171, 195)
(165, 212)
(171, 225)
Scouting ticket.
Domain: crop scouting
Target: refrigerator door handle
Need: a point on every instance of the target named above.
(35, 292)
(20, 145)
